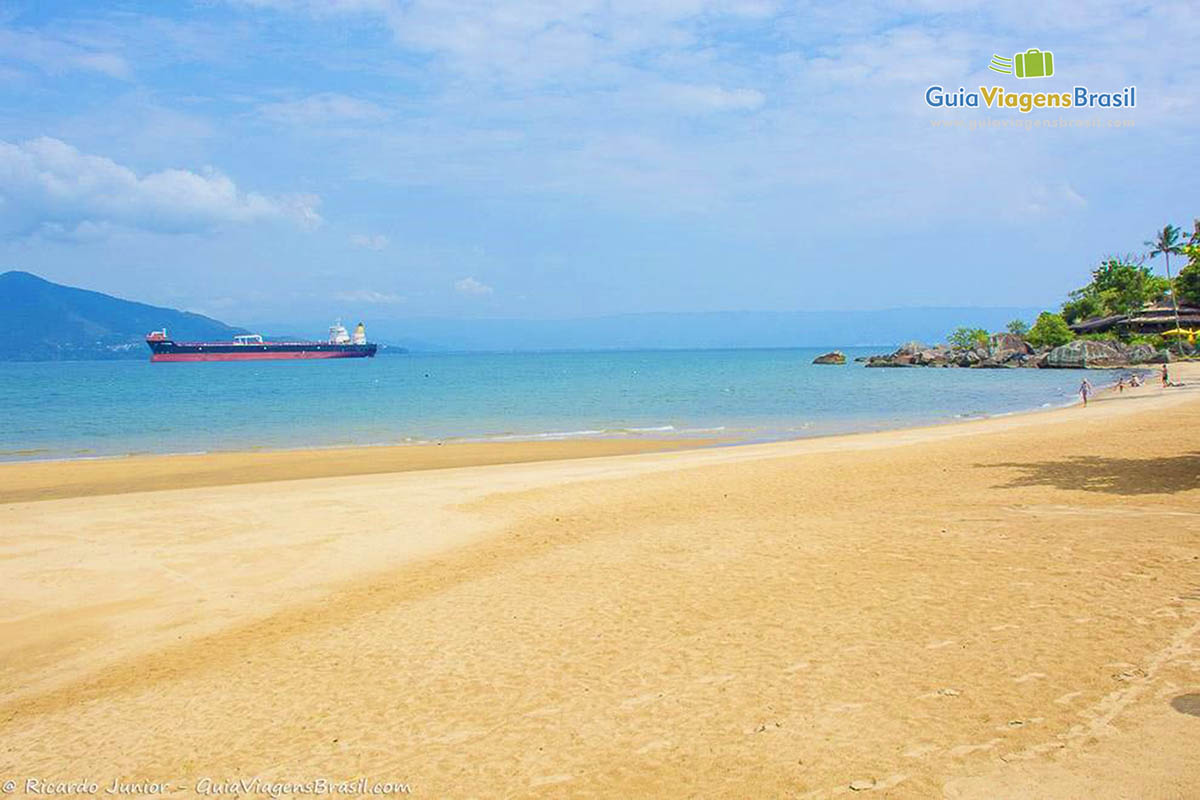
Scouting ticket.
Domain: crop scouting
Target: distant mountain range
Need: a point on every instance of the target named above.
(44, 321)
(698, 330)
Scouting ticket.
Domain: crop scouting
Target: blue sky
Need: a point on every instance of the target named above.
(279, 160)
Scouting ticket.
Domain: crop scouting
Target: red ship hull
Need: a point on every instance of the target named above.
(259, 356)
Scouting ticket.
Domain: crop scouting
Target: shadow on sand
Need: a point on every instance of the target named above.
(1187, 704)
(1123, 476)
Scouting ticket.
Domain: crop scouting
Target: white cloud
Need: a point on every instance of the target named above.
(471, 286)
(324, 107)
(704, 99)
(369, 296)
(56, 56)
(48, 185)
(368, 241)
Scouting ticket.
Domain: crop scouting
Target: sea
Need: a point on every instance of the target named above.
(90, 409)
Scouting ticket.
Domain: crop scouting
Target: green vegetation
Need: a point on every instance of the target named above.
(1050, 330)
(1167, 243)
(968, 338)
(1018, 327)
(1187, 284)
(1120, 285)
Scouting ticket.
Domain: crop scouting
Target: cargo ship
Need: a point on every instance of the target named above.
(251, 347)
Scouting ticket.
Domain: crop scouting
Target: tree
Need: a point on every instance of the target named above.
(1018, 327)
(1168, 244)
(968, 338)
(1050, 330)
(1120, 285)
(1187, 282)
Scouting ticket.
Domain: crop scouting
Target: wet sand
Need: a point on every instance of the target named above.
(1001, 608)
(52, 480)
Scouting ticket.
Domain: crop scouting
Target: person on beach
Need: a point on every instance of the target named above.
(1085, 391)
(1165, 378)
(1121, 384)
(1135, 382)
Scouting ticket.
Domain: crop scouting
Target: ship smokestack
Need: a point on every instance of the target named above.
(360, 334)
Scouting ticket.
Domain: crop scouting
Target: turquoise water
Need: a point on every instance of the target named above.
(82, 409)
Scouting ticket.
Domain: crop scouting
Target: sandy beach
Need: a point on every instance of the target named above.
(999, 608)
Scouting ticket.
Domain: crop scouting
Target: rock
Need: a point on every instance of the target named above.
(1140, 354)
(1004, 347)
(835, 357)
(932, 357)
(909, 349)
(1162, 357)
(863, 359)
(1083, 353)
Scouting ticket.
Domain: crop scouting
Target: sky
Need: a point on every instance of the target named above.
(271, 161)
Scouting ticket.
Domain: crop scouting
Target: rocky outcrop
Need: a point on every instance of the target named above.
(835, 357)
(1084, 353)
(1009, 351)
(1146, 354)
(1000, 352)
(1005, 347)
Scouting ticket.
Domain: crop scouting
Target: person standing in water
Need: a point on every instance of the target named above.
(1085, 391)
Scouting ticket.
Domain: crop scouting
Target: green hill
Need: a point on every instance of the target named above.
(44, 321)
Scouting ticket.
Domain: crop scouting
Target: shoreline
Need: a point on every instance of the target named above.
(959, 606)
(826, 402)
(59, 478)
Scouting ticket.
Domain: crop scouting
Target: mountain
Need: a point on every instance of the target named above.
(44, 321)
(41, 321)
(717, 329)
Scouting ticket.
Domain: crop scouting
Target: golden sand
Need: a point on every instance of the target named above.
(1003, 608)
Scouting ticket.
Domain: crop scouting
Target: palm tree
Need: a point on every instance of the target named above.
(1168, 243)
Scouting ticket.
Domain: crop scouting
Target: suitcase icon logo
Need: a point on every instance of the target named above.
(1033, 63)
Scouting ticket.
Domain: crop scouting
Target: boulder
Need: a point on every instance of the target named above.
(932, 357)
(1141, 354)
(1083, 353)
(890, 361)
(909, 349)
(835, 357)
(1007, 346)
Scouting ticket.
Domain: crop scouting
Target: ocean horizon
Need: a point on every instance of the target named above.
(89, 409)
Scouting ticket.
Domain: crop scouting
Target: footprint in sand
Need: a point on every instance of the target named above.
(967, 749)
(939, 645)
(718, 679)
(547, 780)
(543, 712)
(657, 744)
(641, 699)
(799, 665)
(1029, 676)
(1066, 699)
(841, 708)
(1004, 627)
(916, 751)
